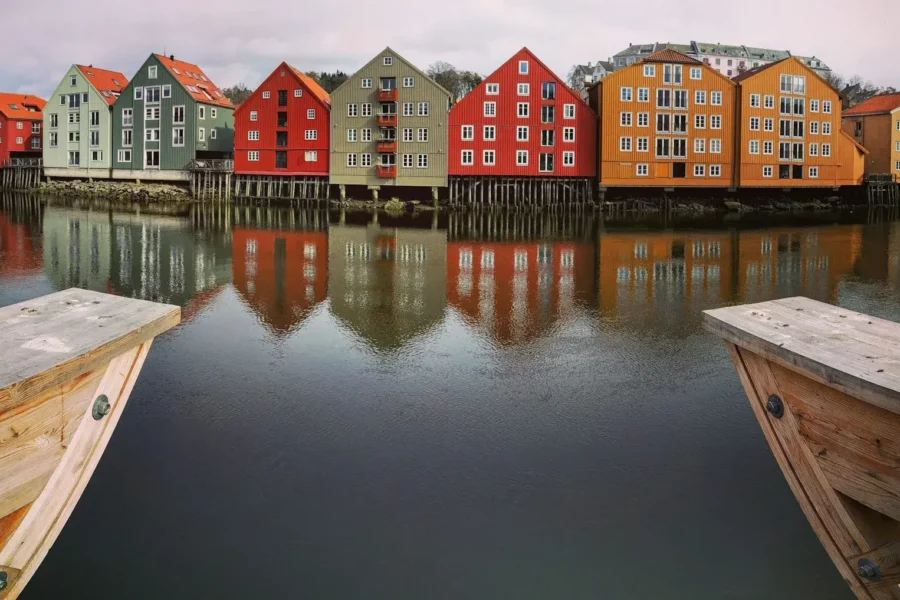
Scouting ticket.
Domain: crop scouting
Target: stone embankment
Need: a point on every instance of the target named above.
(116, 190)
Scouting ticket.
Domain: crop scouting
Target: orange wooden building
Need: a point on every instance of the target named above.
(666, 121)
(789, 132)
(875, 124)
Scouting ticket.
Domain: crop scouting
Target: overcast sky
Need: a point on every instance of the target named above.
(239, 41)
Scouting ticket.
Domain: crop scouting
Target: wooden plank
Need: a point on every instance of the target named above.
(50, 340)
(41, 526)
(887, 558)
(855, 353)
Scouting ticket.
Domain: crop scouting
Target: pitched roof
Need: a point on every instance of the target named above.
(606, 65)
(312, 84)
(876, 105)
(755, 70)
(22, 106)
(671, 56)
(198, 85)
(109, 83)
(411, 66)
(859, 146)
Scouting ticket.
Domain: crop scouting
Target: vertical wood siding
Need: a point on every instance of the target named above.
(470, 111)
(877, 137)
(297, 124)
(9, 132)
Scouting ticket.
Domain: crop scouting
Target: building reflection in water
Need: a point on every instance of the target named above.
(20, 239)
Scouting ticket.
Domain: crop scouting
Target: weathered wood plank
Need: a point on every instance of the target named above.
(50, 340)
(887, 558)
(858, 354)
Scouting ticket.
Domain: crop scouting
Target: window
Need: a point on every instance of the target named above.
(696, 73)
(715, 122)
(365, 135)
(799, 85)
(568, 111)
(73, 81)
(643, 144)
(468, 157)
(408, 109)
(813, 149)
(352, 159)
(826, 150)
(407, 161)
(643, 94)
(202, 113)
(799, 106)
(201, 135)
(353, 110)
(366, 83)
(662, 147)
(178, 136)
(699, 97)
(679, 148)
(490, 109)
(298, 93)
(784, 128)
(254, 116)
(422, 134)
(177, 114)
(151, 113)
(769, 101)
(681, 99)
(423, 109)
(493, 89)
(365, 159)
(490, 133)
(408, 134)
(625, 144)
(545, 163)
(625, 94)
(151, 72)
(123, 156)
(351, 135)
(826, 128)
(699, 170)
(643, 119)
(699, 121)
(813, 172)
(813, 106)
(787, 84)
(127, 137)
(74, 159)
(754, 146)
(755, 100)
(568, 159)
(813, 128)
(95, 138)
(625, 119)
(715, 146)
(521, 134)
(19, 140)
(138, 93)
(73, 118)
(167, 91)
(548, 137)
(311, 156)
(768, 124)
(672, 74)
(253, 136)
(548, 90)
(311, 134)
(754, 123)
(643, 170)
(54, 121)
(548, 114)
(522, 158)
(488, 157)
(54, 139)
(785, 106)
(568, 134)
(649, 70)
(663, 98)
(151, 135)
(784, 151)
(523, 67)
(663, 123)
(523, 89)
(522, 109)
(799, 127)
(213, 113)
(767, 171)
(699, 146)
(468, 132)
(768, 147)
(715, 98)
(422, 161)
(715, 170)
(62, 100)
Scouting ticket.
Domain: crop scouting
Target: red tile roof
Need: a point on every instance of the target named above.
(312, 84)
(109, 83)
(876, 105)
(22, 106)
(195, 81)
(671, 56)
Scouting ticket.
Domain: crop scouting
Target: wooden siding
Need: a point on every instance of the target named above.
(298, 123)
(423, 90)
(876, 136)
(895, 140)
(832, 171)
(470, 111)
(619, 168)
(10, 132)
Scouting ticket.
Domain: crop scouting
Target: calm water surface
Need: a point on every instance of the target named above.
(462, 407)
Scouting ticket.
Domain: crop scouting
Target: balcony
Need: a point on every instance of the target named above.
(387, 120)
(387, 146)
(386, 171)
(391, 95)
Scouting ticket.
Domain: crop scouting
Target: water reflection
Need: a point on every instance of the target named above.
(513, 278)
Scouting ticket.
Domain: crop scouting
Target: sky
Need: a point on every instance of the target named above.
(238, 41)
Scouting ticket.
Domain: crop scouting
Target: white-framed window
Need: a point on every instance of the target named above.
(642, 170)
(715, 121)
(353, 110)
(699, 121)
(422, 161)
(151, 113)
(663, 98)
(769, 124)
(625, 119)
(366, 83)
(715, 98)
(643, 119)
(201, 135)
(755, 100)
(813, 106)
(468, 133)
(523, 67)
(253, 136)
(365, 159)
(490, 109)
(754, 146)
(643, 144)
(625, 144)
(787, 83)
(54, 139)
(826, 150)
(352, 159)
(522, 133)
(768, 171)
(548, 137)
(626, 94)
(408, 134)
(523, 89)
(696, 73)
(54, 121)
(408, 160)
(699, 146)
(826, 107)
(422, 134)
(151, 135)
(715, 170)
(311, 156)
(19, 140)
(352, 135)
(897, 165)
(365, 134)
(73, 80)
(813, 149)
(127, 117)
(254, 115)
(127, 137)
(151, 72)
(311, 134)
(423, 109)
(213, 113)
(74, 136)
(649, 70)
(74, 159)
(311, 114)
(178, 136)
(492, 89)
(568, 158)
(784, 150)
(202, 112)
(754, 123)
(298, 93)
(123, 156)
(699, 170)
(769, 101)
(546, 162)
(568, 134)
(253, 156)
(643, 94)
(826, 127)
(467, 158)
(813, 128)
(138, 93)
(813, 172)
(266, 95)
(489, 132)
(523, 109)
(715, 146)
(488, 157)
(522, 158)
(768, 147)
(568, 111)
(700, 97)
(409, 109)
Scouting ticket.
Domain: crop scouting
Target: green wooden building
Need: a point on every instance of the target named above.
(170, 114)
(78, 123)
(389, 127)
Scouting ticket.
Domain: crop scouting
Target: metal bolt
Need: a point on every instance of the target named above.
(775, 406)
(866, 569)
(101, 407)
(4, 580)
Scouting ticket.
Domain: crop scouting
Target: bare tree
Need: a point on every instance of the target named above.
(573, 79)
(445, 75)
(237, 93)
(835, 80)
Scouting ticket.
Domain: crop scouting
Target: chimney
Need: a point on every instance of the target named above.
(171, 57)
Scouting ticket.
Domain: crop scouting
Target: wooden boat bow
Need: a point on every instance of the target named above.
(824, 384)
(68, 363)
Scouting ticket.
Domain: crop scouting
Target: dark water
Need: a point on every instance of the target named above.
(459, 407)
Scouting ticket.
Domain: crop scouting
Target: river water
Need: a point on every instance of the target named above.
(459, 406)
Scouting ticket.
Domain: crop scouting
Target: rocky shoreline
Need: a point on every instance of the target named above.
(117, 190)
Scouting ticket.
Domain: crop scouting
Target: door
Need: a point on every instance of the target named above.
(281, 160)
(798, 172)
(784, 171)
(151, 159)
(679, 170)
(281, 139)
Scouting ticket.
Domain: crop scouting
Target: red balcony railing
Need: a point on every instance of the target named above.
(387, 120)
(386, 172)
(388, 95)
(387, 146)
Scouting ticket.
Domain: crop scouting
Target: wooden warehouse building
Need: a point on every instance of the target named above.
(21, 116)
(282, 137)
(875, 124)
(522, 137)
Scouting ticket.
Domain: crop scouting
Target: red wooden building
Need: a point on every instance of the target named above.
(525, 125)
(21, 118)
(283, 128)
